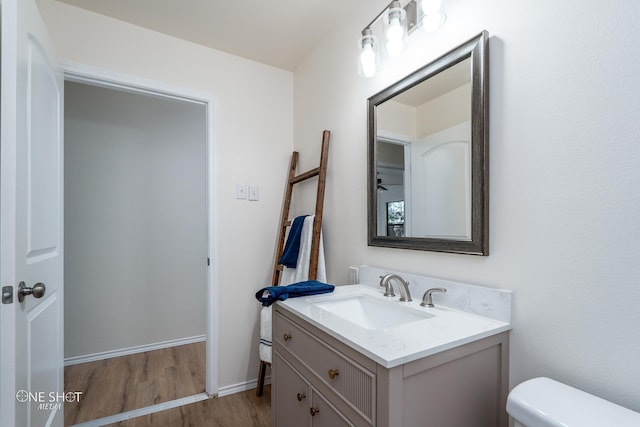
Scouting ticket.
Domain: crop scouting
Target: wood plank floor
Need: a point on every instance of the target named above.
(237, 410)
(120, 384)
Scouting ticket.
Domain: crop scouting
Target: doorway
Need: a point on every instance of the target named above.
(139, 236)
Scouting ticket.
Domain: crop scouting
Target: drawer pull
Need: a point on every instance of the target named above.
(287, 337)
(314, 411)
(333, 373)
(301, 396)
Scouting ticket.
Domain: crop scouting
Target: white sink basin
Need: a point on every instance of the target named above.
(369, 312)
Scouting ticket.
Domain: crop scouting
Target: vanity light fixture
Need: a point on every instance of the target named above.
(397, 23)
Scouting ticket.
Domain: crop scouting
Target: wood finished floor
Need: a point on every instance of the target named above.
(121, 384)
(237, 410)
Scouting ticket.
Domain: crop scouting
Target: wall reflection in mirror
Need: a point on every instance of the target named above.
(427, 154)
(429, 125)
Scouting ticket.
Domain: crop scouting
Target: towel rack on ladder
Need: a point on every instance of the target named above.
(321, 173)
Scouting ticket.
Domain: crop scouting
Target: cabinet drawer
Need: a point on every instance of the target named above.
(297, 404)
(291, 395)
(324, 414)
(354, 383)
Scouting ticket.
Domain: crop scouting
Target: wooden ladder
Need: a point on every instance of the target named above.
(285, 222)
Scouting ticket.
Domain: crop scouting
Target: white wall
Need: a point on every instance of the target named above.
(135, 219)
(254, 135)
(397, 119)
(444, 111)
(564, 176)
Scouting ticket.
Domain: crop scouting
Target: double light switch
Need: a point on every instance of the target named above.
(241, 192)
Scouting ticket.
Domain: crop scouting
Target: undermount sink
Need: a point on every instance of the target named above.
(369, 312)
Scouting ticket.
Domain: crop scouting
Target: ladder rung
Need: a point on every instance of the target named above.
(286, 224)
(280, 267)
(304, 176)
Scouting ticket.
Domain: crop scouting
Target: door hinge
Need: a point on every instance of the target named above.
(7, 294)
(208, 261)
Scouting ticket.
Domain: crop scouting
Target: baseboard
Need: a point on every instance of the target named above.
(132, 350)
(240, 387)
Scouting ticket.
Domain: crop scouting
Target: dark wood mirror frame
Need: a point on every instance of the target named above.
(477, 50)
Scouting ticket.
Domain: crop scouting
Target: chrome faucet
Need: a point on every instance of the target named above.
(426, 298)
(403, 286)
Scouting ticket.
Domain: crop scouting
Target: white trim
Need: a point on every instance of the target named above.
(111, 419)
(240, 387)
(132, 350)
(408, 198)
(211, 293)
(405, 141)
(8, 174)
(395, 138)
(81, 73)
(99, 77)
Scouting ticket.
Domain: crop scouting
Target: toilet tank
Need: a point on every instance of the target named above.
(543, 402)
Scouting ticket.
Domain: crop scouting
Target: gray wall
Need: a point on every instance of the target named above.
(135, 220)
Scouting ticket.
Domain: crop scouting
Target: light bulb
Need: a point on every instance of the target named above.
(396, 29)
(394, 33)
(431, 6)
(432, 22)
(368, 60)
(433, 17)
(394, 48)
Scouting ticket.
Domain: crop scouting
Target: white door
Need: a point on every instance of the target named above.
(31, 332)
(441, 184)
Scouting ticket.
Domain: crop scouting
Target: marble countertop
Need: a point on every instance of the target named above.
(396, 345)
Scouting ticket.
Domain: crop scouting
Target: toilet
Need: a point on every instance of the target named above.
(543, 402)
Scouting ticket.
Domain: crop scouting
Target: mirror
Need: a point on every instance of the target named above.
(428, 156)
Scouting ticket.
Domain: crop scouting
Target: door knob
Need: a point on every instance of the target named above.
(37, 291)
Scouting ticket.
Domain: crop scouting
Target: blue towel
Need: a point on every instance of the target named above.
(271, 294)
(289, 256)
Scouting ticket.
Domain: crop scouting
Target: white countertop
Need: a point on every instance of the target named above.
(400, 344)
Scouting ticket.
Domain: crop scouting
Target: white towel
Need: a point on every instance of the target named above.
(265, 334)
(289, 276)
(301, 272)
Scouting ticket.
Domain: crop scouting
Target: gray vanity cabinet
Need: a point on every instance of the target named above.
(463, 386)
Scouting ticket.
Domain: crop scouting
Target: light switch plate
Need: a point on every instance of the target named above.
(254, 192)
(241, 191)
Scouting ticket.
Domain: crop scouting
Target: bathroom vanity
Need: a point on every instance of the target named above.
(385, 367)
